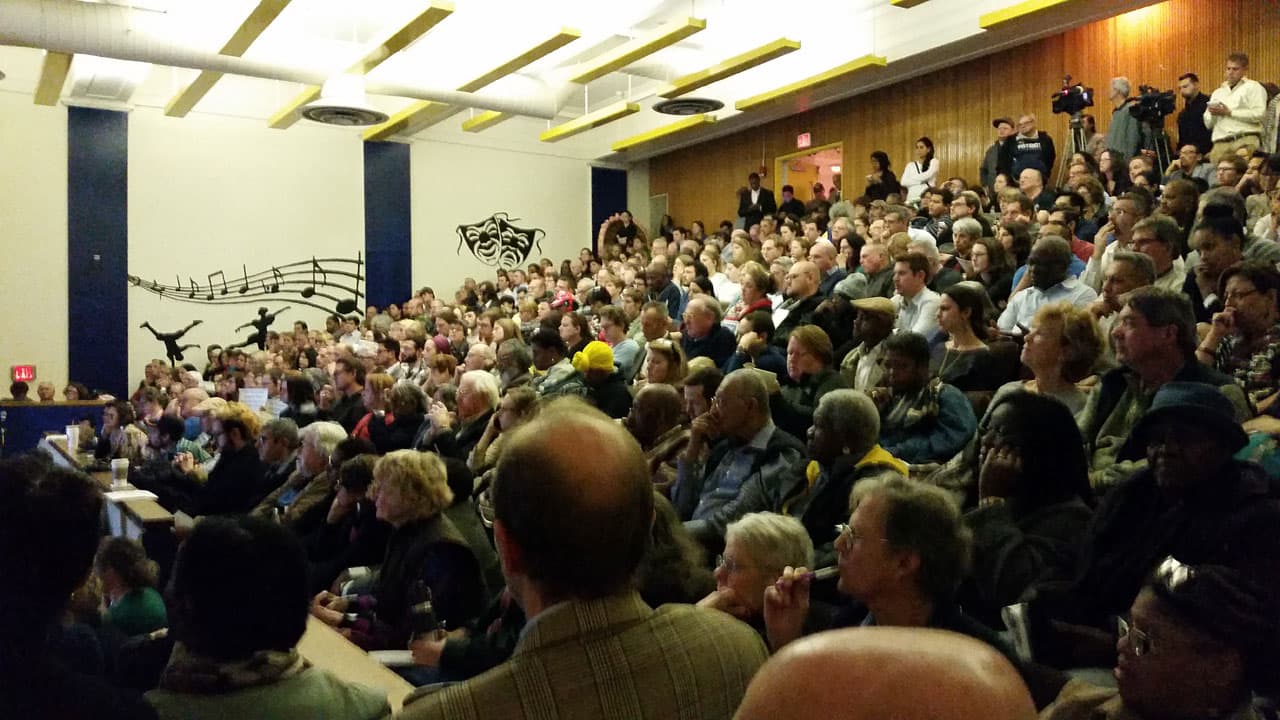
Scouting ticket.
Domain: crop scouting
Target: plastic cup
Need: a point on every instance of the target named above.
(73, 439)
(119, 472)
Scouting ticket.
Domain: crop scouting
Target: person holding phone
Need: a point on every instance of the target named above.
(1235, 110)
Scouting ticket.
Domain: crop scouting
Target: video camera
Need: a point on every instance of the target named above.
(1072, 99)
(1152, 106)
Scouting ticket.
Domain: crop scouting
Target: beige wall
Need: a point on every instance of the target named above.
(33, 238)
(456, 185)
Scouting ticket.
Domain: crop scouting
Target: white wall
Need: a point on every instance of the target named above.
(33, 238)
(459, 185)
(209, 193)
(638, 188)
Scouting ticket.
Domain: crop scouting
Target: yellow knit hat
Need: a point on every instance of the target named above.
(595, 356)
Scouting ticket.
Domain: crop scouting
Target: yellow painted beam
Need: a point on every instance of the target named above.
(435, 13)
(424, 114)
(1013, 12)
(485, 120)
(812, 83)
(253, 26)
(906, 3)
(53, 75)
(633, 50)
(732, 66)
(665, 130)
(589, 121)
(561, 38)
(397, 122)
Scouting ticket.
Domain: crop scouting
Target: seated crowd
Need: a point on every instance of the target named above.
(984, 446)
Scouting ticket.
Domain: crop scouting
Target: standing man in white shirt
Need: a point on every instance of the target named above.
(1050, 283)
(917, 305)
(1236, 110)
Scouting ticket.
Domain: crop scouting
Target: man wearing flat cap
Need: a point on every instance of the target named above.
(863, 367)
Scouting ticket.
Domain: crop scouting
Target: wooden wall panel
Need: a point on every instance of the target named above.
(954, 107)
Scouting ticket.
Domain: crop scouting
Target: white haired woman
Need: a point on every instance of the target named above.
(757, 547)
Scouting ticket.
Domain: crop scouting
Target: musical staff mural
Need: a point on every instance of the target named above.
(331, 285)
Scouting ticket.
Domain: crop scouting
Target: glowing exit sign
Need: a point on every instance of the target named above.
(803, 140)
(23, 373)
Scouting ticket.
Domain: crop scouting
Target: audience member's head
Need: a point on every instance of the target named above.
(541, 479)
(936, 675)
(257, 556)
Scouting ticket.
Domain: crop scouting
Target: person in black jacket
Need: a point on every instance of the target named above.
(427, 561)
(455, 437)
(754, 202)
(352, 535)
(50, 526)
(348, 380)
(802, 301)
(605, 386)
(704, 336)
(235, 483)
(408, 405)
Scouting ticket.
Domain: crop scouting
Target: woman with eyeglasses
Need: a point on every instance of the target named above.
(990, 265)
(757, 548)
(1244, 339)
(1198, 642)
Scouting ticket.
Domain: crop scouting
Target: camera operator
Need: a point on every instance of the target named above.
(1191, 129)
(1124, 136)
(1235, 110)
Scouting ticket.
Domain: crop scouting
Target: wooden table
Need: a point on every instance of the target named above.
(130, 518)
(327, 649)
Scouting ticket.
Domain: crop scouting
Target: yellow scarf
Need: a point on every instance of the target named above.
(875, 456)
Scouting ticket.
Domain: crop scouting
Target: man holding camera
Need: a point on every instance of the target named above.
(1235, 110)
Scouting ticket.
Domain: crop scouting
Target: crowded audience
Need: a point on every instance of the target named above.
(989, 432)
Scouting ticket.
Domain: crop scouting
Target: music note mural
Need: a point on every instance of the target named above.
(497, 242)
(327, 284)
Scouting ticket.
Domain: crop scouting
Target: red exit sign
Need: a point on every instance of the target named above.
(23, 373)
(803, 140)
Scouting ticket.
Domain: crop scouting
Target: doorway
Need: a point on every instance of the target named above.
(801, 170)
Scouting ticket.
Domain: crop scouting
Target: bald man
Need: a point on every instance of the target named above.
(823, 255)
(802, 299)
(881, 673)
(592, 647)
(657, 422)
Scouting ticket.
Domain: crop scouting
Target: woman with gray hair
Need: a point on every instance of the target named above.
(407, 403)
(757, 547)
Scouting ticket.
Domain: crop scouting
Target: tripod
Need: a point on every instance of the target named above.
(1158, 142)
(1074, 145)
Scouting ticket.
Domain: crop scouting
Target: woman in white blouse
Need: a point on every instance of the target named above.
(920, 175)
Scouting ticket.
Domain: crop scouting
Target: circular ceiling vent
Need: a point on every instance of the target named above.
(688, 106)
(344, 115)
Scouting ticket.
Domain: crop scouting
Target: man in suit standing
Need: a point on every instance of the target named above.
(754, 202)
(570, 535)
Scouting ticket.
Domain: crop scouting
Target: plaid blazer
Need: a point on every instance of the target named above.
(611, 658)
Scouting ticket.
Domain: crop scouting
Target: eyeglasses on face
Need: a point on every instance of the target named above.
(730, 565)
(1138, 640)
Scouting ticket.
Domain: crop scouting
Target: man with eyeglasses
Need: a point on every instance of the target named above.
(301, 501)
(1196, 644)
(732, 447)
(901, 557)
(348, 380)
(1117, 234)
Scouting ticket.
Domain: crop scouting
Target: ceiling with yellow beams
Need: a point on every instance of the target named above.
(577, 78)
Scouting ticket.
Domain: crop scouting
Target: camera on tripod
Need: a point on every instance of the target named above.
(1072, 99)
(1152, 106)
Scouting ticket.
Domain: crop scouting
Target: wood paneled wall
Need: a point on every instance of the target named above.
(1153, 46)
